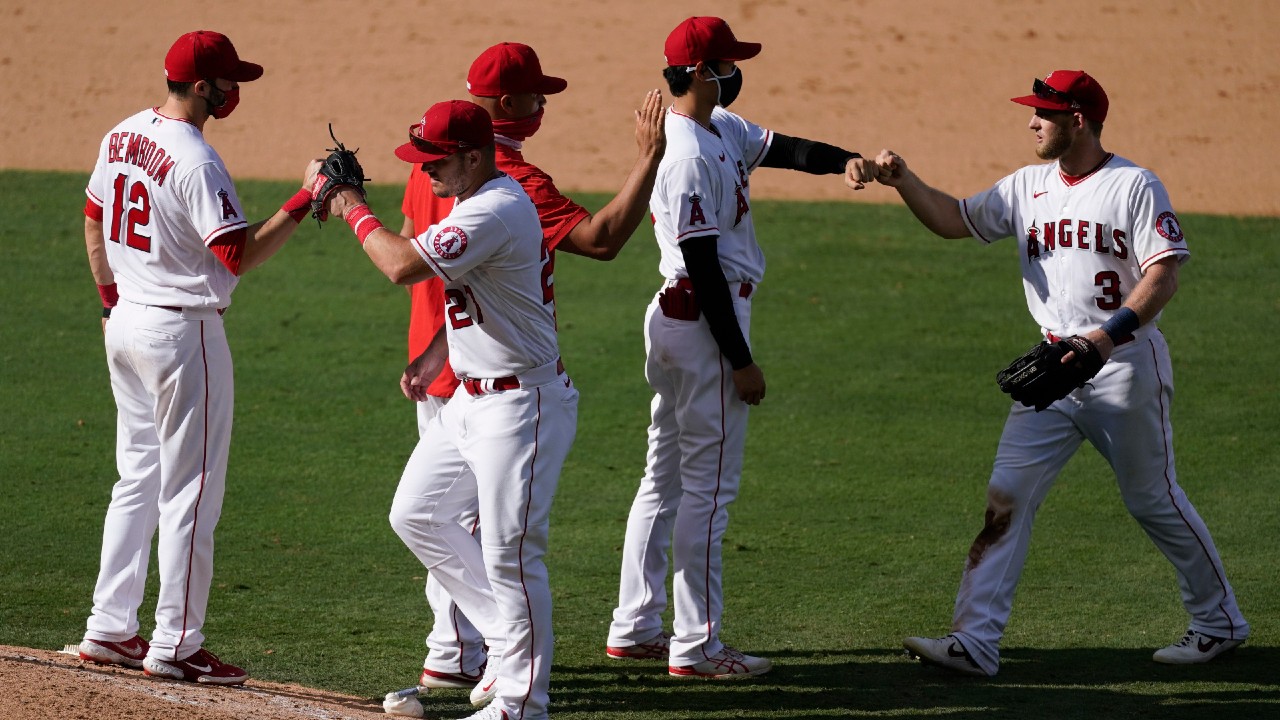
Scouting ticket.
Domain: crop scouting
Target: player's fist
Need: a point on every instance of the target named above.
(859, 171)
(890, 168)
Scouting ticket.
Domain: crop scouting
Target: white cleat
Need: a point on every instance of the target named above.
(947, 652)
(492, 711)
(487, 689)
(726, 664)
(1195, 647)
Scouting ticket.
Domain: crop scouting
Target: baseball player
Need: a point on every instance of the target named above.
(700, 366)
(167, 242)
(500, 443)
(1100, 248)
(507, 80)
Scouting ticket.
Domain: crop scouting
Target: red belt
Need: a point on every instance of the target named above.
(679, 303)
(476, 386)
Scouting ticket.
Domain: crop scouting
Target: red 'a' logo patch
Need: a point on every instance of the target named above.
(695, 210)
(1168, 227)
(228, 210)
(450, 242)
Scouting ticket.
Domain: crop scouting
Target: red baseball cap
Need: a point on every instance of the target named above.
(446, 128)
(1066, 90)
(510, 69)
(207, 55)
(700, 39)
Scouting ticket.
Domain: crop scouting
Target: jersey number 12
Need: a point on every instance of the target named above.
(136, 213)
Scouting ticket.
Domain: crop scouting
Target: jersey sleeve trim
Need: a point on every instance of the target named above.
(224, 230)
(92, 210)
(968, 221)
(96, 200)
(764, 149)
(565, 227)
(697, 233)
(1164, 254)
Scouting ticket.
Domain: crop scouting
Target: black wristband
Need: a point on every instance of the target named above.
(106, 312)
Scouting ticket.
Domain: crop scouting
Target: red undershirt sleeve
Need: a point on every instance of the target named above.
(229, 248)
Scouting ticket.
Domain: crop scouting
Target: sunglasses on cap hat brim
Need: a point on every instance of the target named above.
(1044, 91)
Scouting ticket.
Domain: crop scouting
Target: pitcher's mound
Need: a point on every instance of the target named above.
(41, 684)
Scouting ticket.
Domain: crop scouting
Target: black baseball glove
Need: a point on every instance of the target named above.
(1039, 377)
(340, 169)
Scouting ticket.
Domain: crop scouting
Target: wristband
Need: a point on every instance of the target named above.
(362, 221)
(1121, 325)
(299, 205)
(110, 295)
(106, 312)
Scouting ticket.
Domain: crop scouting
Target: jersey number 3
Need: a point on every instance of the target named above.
(136, 213)
(1109, 282)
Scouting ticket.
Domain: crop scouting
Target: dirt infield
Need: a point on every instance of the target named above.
(43, 684)
(1193, 85)
(1192, 82)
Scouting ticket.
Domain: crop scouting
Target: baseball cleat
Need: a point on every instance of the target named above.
(1195, 647)
(487, 689)
(492, 711)
(657, 647)
(724, 665)
(436, 679)
(947, 652)
(201, 666)
(104, 652)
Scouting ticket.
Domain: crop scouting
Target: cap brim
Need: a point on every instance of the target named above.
(411, 154)
(743, 51)
(246, 71)
(552, 85)
(1041, 103)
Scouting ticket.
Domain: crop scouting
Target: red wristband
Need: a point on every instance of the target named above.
(362, 221)
(299, 205)
(110, 295)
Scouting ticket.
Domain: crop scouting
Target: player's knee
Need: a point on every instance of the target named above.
(409, 519)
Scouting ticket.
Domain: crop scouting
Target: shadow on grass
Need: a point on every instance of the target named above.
(1076, 683)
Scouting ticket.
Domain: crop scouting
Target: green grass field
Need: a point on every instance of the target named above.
(864, 483)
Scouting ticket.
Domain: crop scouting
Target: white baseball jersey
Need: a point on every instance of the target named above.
(156, 177)
(497, 326)
(702, 188)
(1085, 241)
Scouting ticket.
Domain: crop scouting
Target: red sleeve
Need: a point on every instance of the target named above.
(229, 247)
(92, 210)
(558, 214)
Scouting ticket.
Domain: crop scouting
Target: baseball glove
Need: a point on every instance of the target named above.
(1039, 378)
(340, 169)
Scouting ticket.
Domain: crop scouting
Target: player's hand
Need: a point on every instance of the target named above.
(651, 133)
(419, 374)
(860, 171)
(1100, 340)
(342, 200)
(891, 169)
(750, 383)
(309, 177)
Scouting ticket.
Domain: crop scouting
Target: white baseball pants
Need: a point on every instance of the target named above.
(503, 450)
(1124, 413)
(171, 376)
(454, 645)
(697, 433)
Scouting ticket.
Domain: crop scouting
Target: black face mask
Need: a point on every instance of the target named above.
(730, 86)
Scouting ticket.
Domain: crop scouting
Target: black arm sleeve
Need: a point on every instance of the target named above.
(712, 290)
(817, 158)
